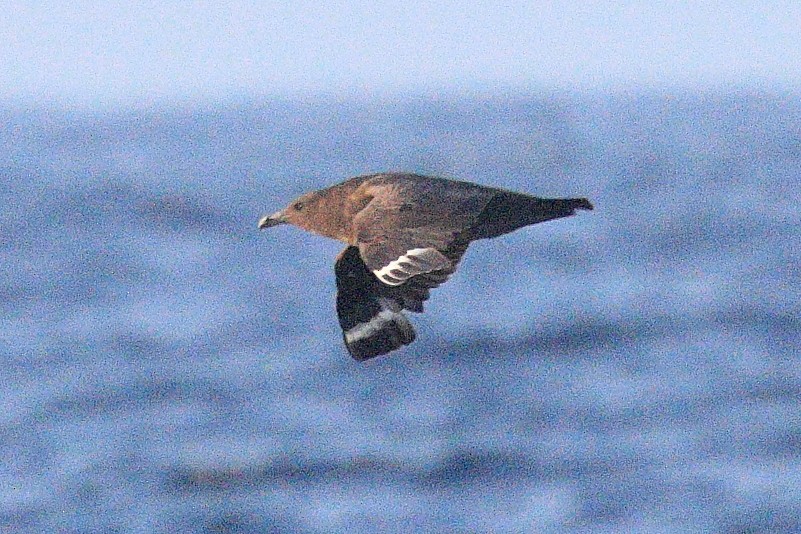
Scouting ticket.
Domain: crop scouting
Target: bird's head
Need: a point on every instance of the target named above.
(298, 211)
(314, 211)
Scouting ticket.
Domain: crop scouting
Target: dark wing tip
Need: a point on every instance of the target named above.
(583, 204)
(380, 339)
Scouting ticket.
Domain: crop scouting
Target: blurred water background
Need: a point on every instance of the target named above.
(167, 368)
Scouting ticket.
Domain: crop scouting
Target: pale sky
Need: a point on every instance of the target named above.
(108, 54)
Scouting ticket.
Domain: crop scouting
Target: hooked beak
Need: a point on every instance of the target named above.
(271, 220)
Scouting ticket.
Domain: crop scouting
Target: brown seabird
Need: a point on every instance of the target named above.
(405, 234)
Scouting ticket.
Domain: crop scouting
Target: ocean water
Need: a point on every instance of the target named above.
(168, 368)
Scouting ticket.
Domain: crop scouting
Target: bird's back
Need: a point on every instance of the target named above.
(473, 211)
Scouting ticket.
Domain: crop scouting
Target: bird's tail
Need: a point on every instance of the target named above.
(509, 211)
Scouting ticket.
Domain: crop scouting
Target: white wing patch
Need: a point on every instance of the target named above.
(415, 261)
(377, 323)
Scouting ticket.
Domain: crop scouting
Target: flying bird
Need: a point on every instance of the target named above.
(405, 235)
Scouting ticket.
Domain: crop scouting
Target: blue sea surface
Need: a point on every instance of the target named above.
(167, 368)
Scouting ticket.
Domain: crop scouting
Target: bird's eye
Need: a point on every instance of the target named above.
(297, 206)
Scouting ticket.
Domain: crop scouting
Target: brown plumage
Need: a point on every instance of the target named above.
(405, 234)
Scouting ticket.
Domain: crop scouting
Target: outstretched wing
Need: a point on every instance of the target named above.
(370, 315)
(371, 312)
